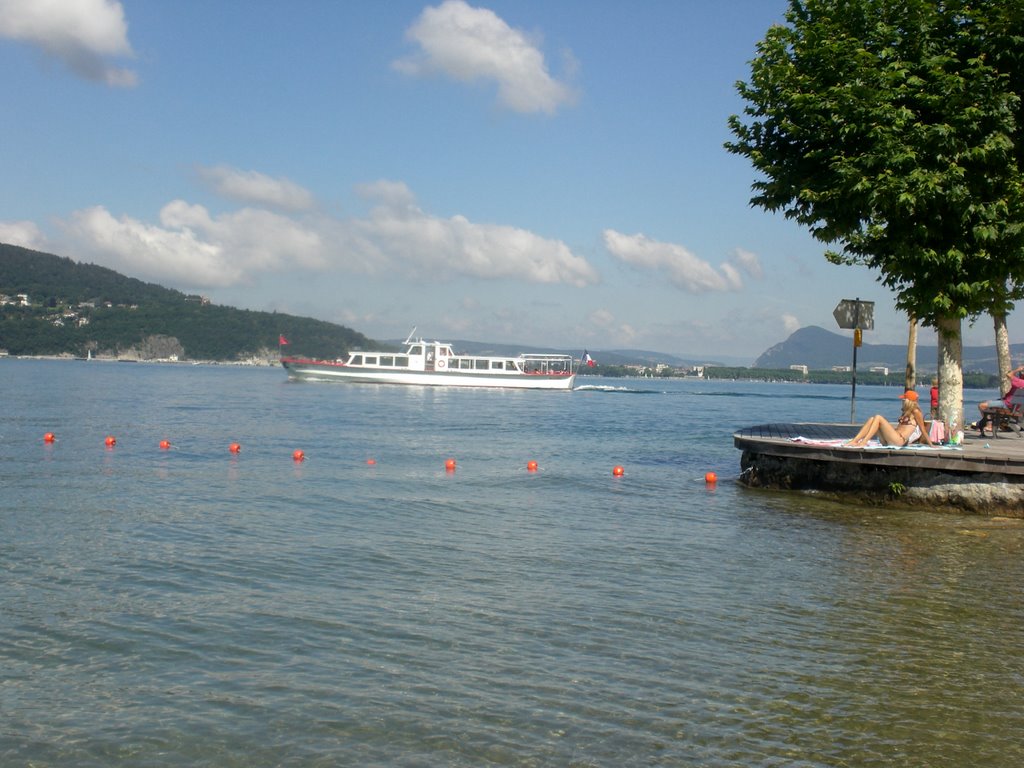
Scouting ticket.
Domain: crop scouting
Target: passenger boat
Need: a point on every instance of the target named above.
(435, 363)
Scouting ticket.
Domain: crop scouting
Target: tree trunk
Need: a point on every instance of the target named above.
(1002, 351)
(951, 377)
(911, 378)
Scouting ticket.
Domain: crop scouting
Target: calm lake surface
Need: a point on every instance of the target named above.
(192, 607)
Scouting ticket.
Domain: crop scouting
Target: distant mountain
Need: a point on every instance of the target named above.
(646, 357)
(820, 349)
(74, 309)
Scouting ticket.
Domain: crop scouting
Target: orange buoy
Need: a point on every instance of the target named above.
(710, 478)
(49, 437)
(234, 447)
(165, 445)
(450, 465)
(531, 466)
(298, 455)
(110, 441)
(371, 462)
(618, 471)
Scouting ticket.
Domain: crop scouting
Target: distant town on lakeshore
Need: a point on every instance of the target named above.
(52, 306)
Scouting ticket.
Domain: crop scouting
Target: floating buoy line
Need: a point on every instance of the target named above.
(298, 455)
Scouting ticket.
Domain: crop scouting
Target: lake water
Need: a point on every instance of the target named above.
(193, 607)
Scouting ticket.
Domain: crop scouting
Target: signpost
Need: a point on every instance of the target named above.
(860, 316)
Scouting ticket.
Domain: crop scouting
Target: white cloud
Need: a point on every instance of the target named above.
(149, 252)
(81, 33)
(23, 233)
(603, 326)
(400, 235)
(747, 262)
(683, 269)
(790, 323)
(256, 239)
(601, 318)
(470, 44)
(257, 188)
(392, 194)
(193, 248)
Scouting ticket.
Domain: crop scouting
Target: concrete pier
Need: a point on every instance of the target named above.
(983, 476)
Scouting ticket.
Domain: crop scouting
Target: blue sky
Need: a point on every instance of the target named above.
(526, 171)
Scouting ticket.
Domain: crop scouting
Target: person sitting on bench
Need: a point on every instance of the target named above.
(1015, 383)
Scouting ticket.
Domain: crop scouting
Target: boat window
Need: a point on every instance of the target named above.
(498, 364)
(465, 364)
(371, 360)
(482, 365)
(402, 362)
(388, 360)
(357, 359)
(510, 365)
(416, 350)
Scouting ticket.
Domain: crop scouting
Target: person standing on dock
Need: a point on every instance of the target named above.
(909, 427)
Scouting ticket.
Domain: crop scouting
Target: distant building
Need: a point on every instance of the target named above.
(801, 368)
(841, 368)
(879, 369)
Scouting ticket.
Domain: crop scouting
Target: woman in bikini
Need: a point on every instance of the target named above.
(909, 427)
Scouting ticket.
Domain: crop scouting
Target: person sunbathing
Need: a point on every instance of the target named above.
(909, 428)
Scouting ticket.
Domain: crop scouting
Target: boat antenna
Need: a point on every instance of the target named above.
(411, 334)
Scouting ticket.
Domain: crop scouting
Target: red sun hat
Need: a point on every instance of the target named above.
(909, 395)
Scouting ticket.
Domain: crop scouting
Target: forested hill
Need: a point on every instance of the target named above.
(74, 308)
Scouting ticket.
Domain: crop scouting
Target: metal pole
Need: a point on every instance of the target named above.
(853, 385)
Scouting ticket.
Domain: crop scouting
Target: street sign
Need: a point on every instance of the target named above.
(859, 316)
(854, 313)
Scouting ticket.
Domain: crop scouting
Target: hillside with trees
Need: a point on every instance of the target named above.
(51, 305)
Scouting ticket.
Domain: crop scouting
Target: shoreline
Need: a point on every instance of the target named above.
(253, 363)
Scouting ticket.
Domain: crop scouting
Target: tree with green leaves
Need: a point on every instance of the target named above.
(892, 130)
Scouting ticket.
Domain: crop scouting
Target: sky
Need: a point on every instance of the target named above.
(549, 174)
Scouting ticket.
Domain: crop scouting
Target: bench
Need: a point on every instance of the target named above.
(1004, 416)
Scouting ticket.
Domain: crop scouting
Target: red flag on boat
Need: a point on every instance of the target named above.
(588, 359)
(281, 340)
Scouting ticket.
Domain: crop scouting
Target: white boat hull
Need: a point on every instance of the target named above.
(436, 364)
(315, 369)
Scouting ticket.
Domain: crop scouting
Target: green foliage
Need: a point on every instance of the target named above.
(137, 311)
(893, 132)
(44, 276)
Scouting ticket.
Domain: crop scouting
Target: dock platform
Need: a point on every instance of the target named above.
(983, 475)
